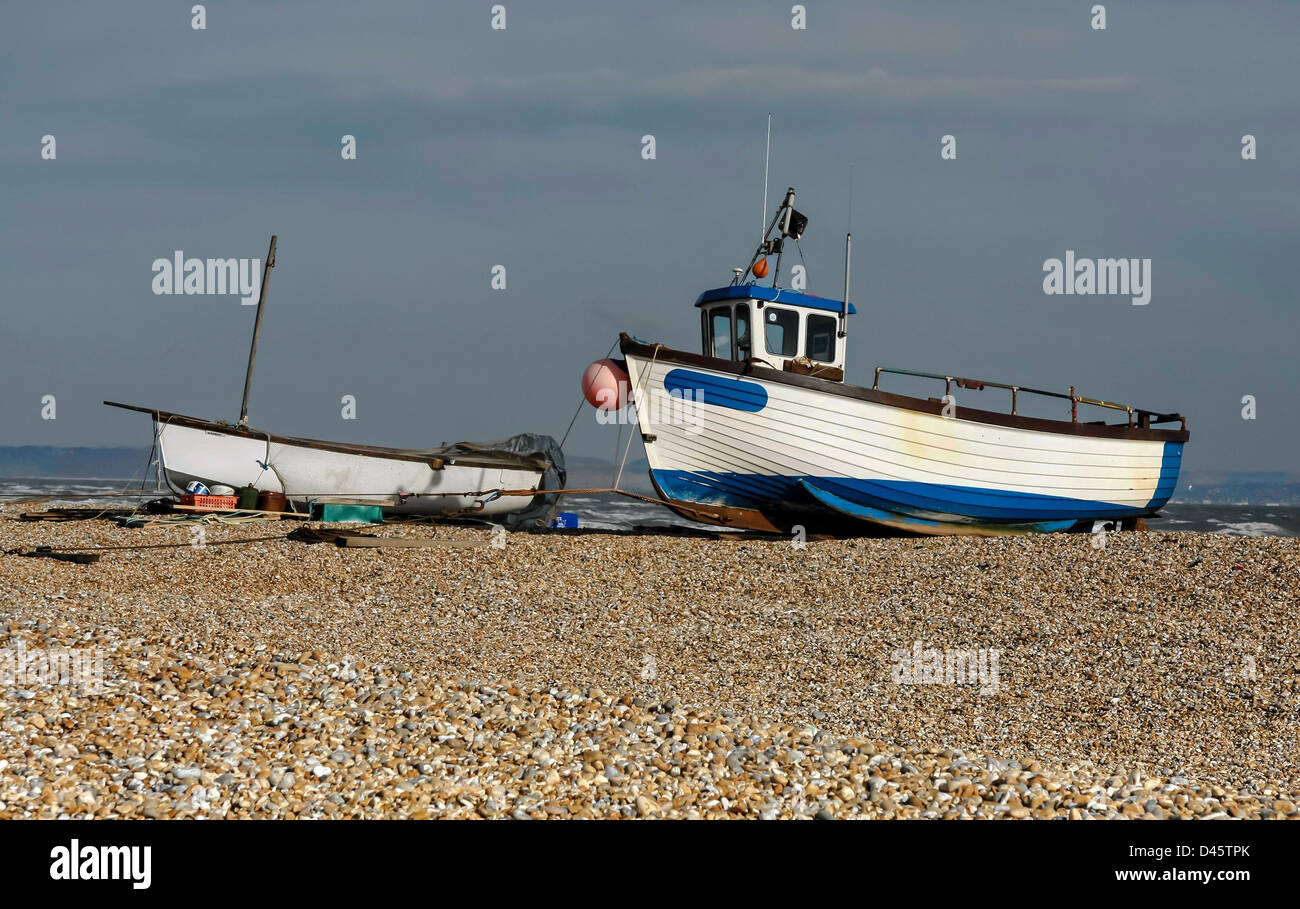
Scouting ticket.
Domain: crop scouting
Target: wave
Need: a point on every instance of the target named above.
(1249, 528)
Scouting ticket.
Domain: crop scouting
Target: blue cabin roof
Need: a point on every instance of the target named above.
(771, 294)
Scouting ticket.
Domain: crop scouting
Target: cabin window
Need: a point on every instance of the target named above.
(720, 331)
(744, 344)
(821, 339)
(781, 330)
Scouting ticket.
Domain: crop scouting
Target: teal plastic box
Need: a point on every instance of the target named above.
(347, 514)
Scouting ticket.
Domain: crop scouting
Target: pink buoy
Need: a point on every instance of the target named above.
(604, 385)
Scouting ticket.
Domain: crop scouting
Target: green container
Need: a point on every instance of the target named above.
(247, 498)
(347, 514)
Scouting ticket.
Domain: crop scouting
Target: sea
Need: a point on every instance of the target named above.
(609, 511)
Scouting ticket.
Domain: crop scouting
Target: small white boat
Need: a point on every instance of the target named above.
(491, 479)
(760, 431)
(465, 478)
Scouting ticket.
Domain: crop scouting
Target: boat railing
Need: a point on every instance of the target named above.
(1137, 417)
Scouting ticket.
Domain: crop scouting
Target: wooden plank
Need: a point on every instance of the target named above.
(202, 510)
(345, 500)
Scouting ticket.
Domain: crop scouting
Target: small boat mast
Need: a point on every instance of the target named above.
(257, 331)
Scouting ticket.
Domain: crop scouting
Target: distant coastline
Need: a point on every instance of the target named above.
(78, 463)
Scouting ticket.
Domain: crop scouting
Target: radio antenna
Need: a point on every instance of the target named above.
(848, 258)
(767, 158)
(850, 198)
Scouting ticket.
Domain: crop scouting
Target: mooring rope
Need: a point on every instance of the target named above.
(140, 546)
(565, 437)
(645, 377)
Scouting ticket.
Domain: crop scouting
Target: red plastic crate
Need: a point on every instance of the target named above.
(190, 498)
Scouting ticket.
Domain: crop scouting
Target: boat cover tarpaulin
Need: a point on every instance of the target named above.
(527, 449)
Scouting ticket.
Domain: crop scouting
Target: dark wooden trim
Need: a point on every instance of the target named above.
(888, 399)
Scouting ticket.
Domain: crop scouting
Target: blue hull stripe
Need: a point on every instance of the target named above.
(717, 390)
(1170, 463)
(932, 501)
(923, 525)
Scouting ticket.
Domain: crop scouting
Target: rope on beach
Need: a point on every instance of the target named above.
(141, 546)
(225, 519)
(530, 491)
(181, 520)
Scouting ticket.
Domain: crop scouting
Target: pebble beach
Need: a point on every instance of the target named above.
(609, 675)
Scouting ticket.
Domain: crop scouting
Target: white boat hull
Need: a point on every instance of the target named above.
(763, 442)
(486, 480)
(304, 474)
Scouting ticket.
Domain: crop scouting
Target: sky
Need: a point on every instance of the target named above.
(523, 147)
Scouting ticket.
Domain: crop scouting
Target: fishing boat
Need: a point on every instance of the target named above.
(759, 430)
(479, 479)
(511, 477)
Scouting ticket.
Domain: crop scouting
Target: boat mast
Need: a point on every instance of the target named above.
(844, 309)
(787, 208)
(766, 247)
(257, 330)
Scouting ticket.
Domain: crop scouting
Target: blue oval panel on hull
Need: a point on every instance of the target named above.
(720, 390)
